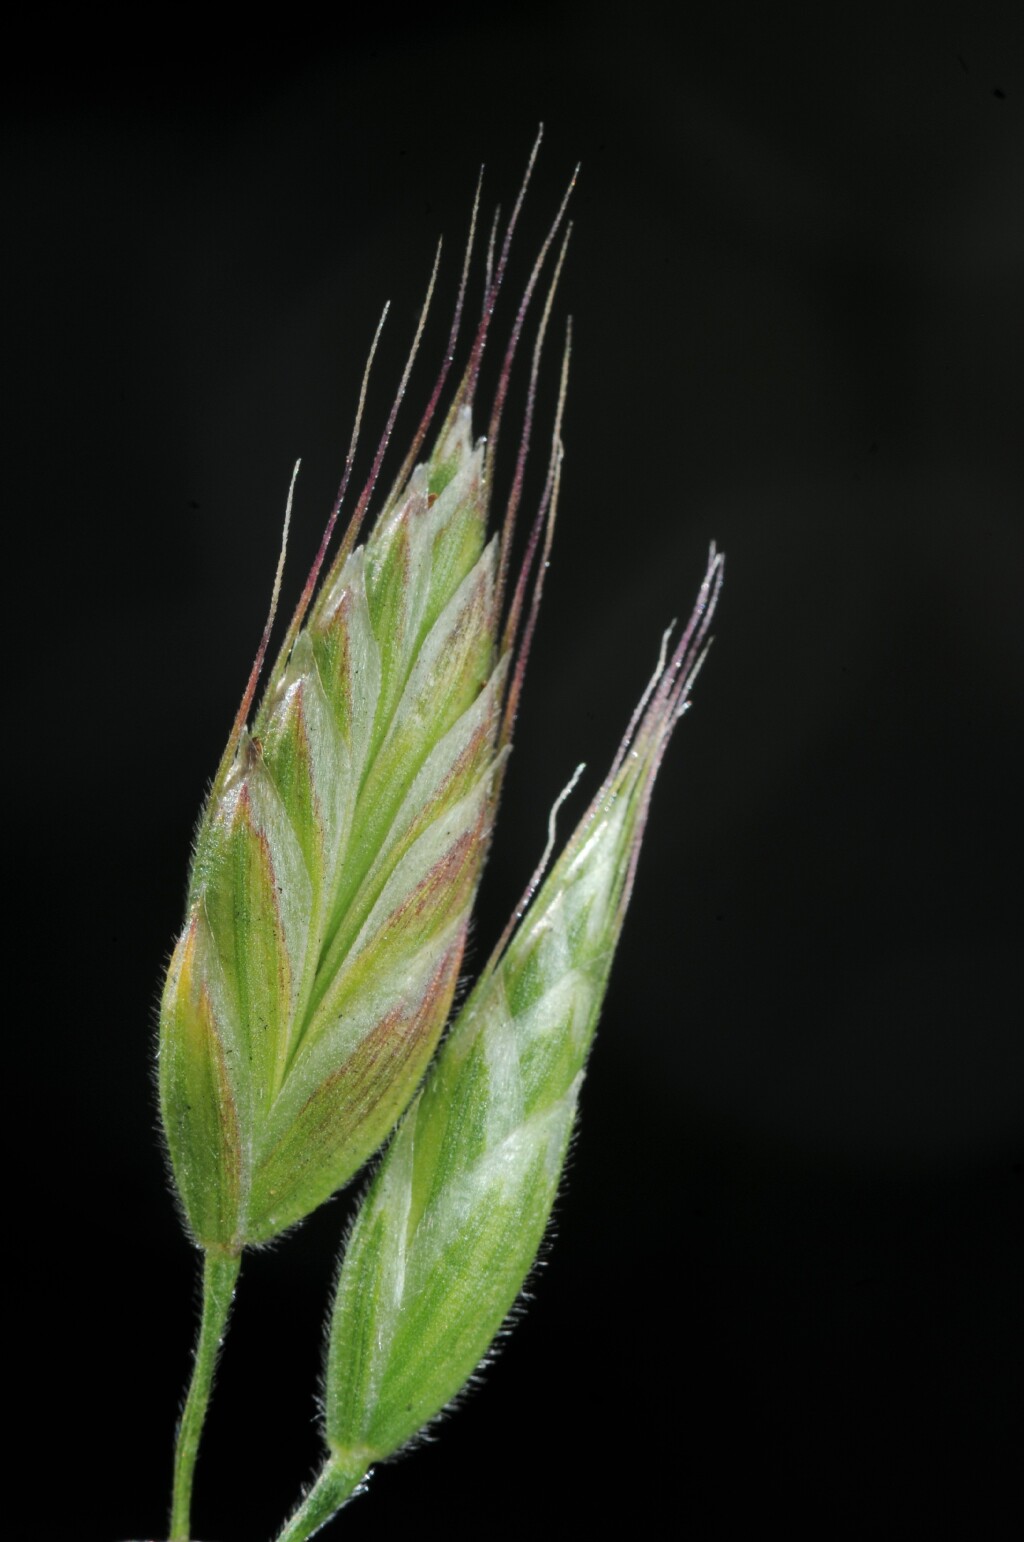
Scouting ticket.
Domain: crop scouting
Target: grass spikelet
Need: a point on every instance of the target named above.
(452, 1223)
(340, 850)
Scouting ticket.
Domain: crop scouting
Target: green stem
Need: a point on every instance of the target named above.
(220, 1271)
(336, 1484)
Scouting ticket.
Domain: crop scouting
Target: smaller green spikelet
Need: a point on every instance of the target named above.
(452, 1223)
(335, 868)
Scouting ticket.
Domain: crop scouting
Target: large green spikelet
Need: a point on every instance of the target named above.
(340, 850)
(335, 872)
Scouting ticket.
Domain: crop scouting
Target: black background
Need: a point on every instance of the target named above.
(787, 1282)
